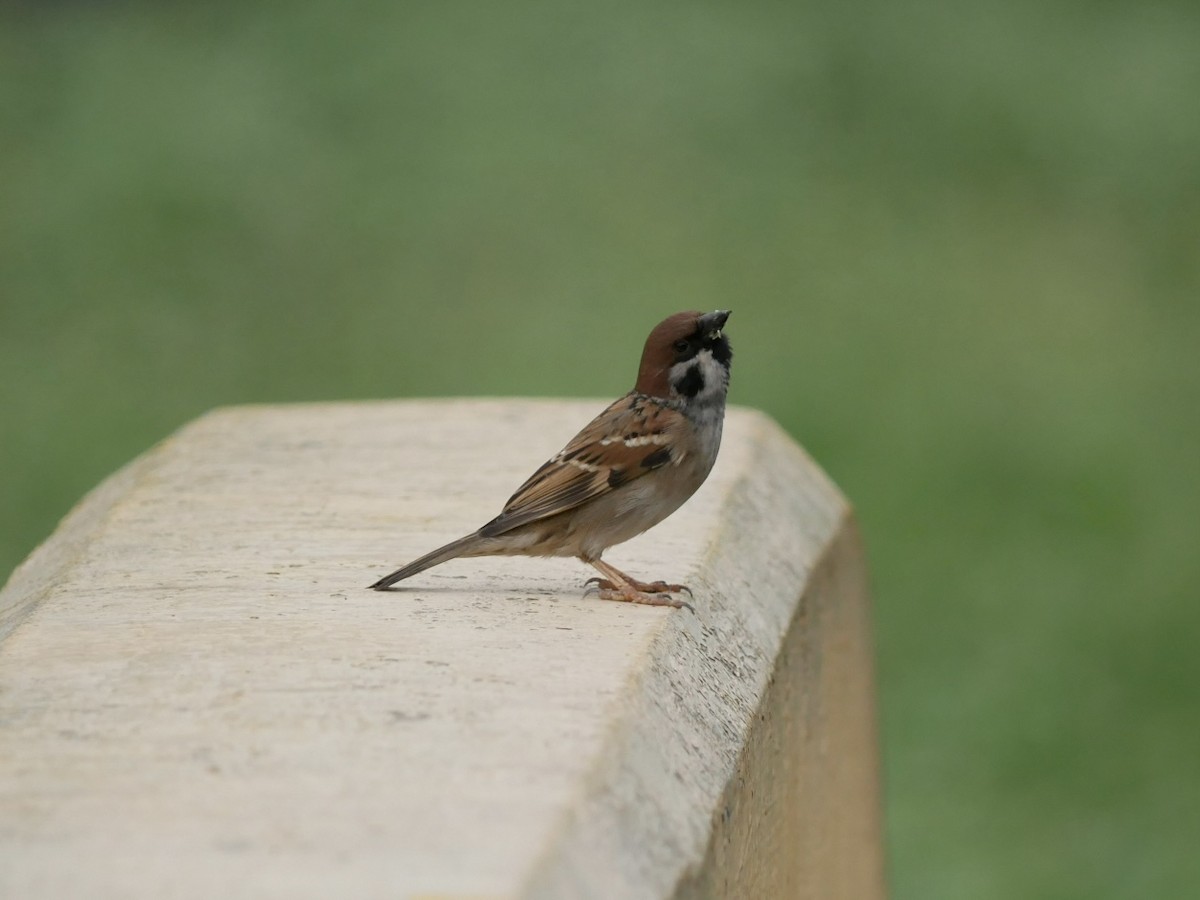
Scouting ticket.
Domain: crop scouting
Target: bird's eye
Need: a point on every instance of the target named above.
(681, 346)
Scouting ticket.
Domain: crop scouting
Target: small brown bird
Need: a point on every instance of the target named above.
(634, 465)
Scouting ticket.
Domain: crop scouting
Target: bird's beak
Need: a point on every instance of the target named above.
(712, 323)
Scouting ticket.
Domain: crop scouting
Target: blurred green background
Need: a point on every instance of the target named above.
(961, 243)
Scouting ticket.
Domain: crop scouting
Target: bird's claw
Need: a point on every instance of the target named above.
(647, 599)
(646, 587)
(657, 593)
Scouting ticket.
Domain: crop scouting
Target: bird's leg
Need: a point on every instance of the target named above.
(616, 585)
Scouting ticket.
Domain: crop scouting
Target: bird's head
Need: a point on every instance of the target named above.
(687, 357)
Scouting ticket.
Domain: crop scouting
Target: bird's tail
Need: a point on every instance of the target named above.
(464, 546)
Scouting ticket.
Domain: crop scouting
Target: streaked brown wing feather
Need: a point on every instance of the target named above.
(633, 436)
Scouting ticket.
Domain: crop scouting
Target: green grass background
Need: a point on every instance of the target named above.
(961, 243)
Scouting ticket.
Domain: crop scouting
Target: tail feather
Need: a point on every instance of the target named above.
(462, 547)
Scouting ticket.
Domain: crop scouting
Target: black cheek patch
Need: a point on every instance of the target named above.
(659, 457)
(692, 382)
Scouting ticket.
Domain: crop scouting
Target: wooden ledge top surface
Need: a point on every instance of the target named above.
(199, 696)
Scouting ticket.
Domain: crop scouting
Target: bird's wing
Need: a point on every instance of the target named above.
(634, 436)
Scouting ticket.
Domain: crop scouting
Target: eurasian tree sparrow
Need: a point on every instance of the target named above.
(634, 465)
